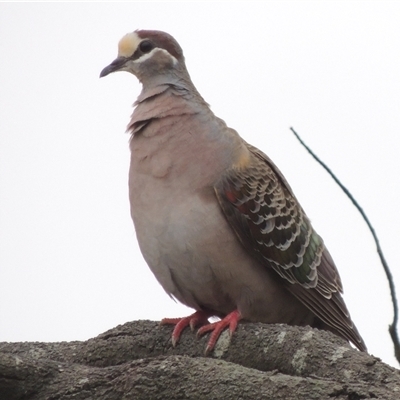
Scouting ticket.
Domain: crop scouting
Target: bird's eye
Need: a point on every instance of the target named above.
(146, 46)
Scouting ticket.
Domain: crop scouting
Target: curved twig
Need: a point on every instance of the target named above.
(392, 327)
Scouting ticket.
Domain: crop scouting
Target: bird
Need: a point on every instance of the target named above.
(215, 219)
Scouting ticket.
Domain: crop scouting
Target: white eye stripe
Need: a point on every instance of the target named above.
(146, 56)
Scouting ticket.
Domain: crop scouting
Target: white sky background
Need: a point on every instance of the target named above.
(70, 267)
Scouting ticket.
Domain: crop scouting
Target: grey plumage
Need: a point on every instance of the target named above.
(215, 219)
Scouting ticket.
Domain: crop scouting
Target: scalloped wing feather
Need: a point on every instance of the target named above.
(270, 223)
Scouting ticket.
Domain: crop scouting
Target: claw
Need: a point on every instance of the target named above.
(196, 319)
(201, 318)
(231, 321)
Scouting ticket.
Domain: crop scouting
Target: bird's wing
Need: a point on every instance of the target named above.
(269, 221)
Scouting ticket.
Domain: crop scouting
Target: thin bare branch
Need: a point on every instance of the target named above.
(393, 325)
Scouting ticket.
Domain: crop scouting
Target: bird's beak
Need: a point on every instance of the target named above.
(116, 65)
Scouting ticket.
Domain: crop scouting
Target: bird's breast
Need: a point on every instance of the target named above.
(186, 239)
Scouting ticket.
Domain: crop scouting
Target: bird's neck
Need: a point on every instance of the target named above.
(165, 100)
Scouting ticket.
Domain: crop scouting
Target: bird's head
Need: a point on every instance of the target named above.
(152, 56)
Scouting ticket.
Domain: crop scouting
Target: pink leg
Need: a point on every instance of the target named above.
(231, 321)
(196, 319)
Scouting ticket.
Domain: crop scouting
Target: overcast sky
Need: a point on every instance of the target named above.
(70, 267)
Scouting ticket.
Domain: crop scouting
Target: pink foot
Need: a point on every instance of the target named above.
(196, 319)
(231, 321)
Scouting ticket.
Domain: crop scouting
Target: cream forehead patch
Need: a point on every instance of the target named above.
(128, 44)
